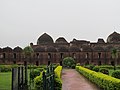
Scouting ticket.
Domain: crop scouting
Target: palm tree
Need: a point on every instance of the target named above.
(114, 56)
(28, 51)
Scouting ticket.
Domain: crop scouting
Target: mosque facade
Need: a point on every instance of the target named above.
(84, 52)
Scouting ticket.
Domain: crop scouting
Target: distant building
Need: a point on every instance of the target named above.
(84, 52)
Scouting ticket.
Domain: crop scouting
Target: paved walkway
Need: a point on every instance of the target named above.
(72, 80)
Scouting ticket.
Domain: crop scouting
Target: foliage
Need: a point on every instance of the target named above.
(34, 73)
(7, 68)
(69, 62)
(116, 74)
(96, 68)
(104, 71)
(89, 66)
(57, 80)
(28, 51)
(58, 71)
(107, 66)
(39, 82)
(102, 80)
(114, 53)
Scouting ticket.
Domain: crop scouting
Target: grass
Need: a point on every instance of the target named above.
(5, 80)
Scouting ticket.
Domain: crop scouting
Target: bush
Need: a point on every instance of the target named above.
(104, 71)
(6, 68)
(102, 80)
(116, 74)
(57, 80)
(89, 66)
(96, 68)
(34, 73)
(68, 62)
(39, 82)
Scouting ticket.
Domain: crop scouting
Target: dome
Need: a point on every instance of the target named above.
(74, 49)
(61, 40)
(45, 39)
(114, 38)
(86, 48)
(98, 48)
(63, 49)
(39, 49)
(51, 49)
(7, 49)
(17, 49)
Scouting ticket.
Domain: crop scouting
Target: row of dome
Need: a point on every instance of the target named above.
(47, 39)
(60, 49)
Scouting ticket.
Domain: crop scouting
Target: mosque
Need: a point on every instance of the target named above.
(84, 52)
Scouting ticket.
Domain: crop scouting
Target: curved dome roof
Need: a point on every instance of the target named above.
(7, 49)
(98, 48)
(61, 40)
(114, 38)
(39, 49)
(45, 39)
(86, 48)
(17, 49)
(51, 49)
(63, 49)
(74, 49)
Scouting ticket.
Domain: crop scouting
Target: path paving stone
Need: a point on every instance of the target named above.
(72, 80)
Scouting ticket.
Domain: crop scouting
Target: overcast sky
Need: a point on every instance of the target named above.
(23, 21)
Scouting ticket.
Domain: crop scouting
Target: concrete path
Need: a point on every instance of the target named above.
(72, 80)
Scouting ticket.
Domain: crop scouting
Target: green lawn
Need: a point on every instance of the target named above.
(5, 80)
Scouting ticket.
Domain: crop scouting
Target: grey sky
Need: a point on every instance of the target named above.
(23, 21)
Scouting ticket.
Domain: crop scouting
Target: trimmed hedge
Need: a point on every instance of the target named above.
(7, 68)
(116, 74)
(103, 81)
(57, 80)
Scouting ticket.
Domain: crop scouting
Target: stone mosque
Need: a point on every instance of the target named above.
(84, 52)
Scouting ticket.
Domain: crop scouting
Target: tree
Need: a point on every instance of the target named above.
(28, 51)
(69, 62)
(114, 56)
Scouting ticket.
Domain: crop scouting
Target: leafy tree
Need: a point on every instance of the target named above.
(69, 62)
(28, 51)
(114, 53)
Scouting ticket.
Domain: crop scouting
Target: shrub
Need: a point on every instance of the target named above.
(116, 74)
(34, 73)
(104, 71)
(57, 80)
(96, 68)
(89, 66)
(102, 80)
(5, 68)
(39, 82)
(69, 62)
